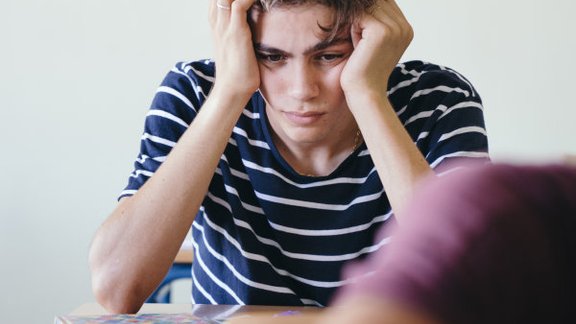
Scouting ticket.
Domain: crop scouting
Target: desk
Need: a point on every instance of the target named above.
(185, 255)
(234, 314)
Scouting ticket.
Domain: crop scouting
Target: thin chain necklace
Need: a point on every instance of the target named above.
(357, 140)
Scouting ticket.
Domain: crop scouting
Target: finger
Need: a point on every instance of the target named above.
(240, 10)
(223, 8)
(356, 33)
(212, 12)
(243, 5)
(217, 10)
(224, 4)
(383, 10)
(398, 16)
(396, 9)
(389, 14)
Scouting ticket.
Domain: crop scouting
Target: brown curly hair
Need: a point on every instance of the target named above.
(345, 11)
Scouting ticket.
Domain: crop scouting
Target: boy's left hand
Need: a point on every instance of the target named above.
(380, 38)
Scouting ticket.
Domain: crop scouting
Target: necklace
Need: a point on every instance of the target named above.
(357, 141)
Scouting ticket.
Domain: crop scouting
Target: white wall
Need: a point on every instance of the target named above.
(519, 55)
(76, 78)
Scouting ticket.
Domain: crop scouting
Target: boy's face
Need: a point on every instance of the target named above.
(300, 73)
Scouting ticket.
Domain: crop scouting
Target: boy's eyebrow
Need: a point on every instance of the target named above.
(327, 43)
(317, 47)
(267, 49)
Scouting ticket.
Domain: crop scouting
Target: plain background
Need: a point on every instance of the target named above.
(77, 76)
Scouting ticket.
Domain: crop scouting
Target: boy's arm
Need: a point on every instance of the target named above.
(134, 248)
(380, 39)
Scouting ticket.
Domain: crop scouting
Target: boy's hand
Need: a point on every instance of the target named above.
(380, 38)
(236, 66)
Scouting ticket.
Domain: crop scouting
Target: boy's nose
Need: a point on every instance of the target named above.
(303, 82)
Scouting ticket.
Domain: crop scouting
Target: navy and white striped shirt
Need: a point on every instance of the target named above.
(267, 235)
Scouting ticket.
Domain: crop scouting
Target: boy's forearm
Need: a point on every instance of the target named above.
(136, 245)
(401, 166)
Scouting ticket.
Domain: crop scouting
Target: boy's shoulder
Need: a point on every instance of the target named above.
(203, 68)
(418, 74)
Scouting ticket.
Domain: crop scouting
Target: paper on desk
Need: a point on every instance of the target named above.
(136, 318)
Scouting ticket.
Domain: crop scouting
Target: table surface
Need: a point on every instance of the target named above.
(184, 256)
(233, 313)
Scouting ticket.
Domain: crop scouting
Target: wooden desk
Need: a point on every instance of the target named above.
(184, 256)
(96, 309)
(94, 313)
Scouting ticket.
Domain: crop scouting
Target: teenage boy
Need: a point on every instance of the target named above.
(285, 154)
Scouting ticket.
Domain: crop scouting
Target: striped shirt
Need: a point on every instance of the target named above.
(267, 235)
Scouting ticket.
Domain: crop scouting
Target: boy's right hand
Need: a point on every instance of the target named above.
(236, 65)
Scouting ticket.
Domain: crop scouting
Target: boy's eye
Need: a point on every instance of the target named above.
(330, 57)
(270, 57)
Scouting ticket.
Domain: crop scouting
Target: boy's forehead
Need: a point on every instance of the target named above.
(303, 20)
(310, 14)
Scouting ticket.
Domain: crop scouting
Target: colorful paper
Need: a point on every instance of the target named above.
(136, 318)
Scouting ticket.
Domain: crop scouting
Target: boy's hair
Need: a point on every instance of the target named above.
(345, 11)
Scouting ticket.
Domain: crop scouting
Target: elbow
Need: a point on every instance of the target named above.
(115, 293)
(114, 287)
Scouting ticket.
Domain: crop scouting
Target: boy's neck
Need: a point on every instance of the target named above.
(317, 160)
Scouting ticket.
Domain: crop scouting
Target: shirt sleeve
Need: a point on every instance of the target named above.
(174, 107)
(441, 110)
